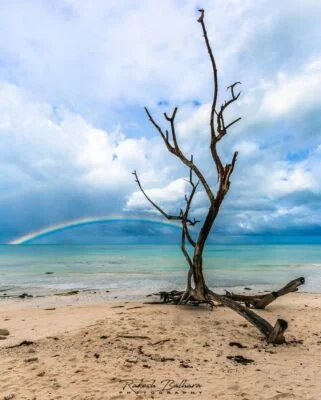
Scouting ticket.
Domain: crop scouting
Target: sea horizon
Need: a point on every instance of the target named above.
(135, 270)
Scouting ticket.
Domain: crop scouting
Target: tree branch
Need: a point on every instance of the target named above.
(185, 252)
(177, 151)
(216, 158)
(159, 129)
(188, 235)
(221, 127)
(223, 173)
(189, 200)
(180, 217)
(170, 217)
(215, 93)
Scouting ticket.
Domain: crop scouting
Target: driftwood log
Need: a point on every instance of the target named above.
(261, 301)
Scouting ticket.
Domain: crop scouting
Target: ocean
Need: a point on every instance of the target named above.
(136, 270)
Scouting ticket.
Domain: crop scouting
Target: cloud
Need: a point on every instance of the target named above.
(55, 165)
(114, 54)
(46, 144)
(74, 80)
(172, 193)
(290, 94)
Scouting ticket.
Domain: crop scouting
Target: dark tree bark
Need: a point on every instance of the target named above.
(198, 292)
(261, 301)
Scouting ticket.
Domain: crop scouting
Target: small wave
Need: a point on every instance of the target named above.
(304, 265)
(115, 262)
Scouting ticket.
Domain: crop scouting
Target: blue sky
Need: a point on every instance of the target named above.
(75, 76)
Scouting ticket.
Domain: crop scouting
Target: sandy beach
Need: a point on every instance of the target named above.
(59, 348)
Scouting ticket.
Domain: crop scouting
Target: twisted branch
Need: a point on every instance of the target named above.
(221, 127)
(178, 152)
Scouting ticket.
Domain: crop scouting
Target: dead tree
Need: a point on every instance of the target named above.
(196, 288)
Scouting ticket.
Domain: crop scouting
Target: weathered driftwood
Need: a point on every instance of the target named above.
(261, 301)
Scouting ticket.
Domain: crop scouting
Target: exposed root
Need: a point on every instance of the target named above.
(181, 297)
(184, 298)
(273, 334)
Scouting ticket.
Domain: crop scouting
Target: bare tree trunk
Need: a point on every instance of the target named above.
(200, 291)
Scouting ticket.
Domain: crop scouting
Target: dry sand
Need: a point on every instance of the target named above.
(91, 351)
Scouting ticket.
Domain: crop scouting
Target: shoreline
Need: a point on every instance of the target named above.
(91, 295)
(84, 351)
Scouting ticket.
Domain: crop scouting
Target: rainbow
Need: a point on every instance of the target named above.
(85, 221)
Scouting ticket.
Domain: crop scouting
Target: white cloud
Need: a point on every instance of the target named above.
(195, 123)
(49, 145)
(286, 181)
(76, 53)
(255, 221)
(292, 94)
(246, 148)
(169, 195)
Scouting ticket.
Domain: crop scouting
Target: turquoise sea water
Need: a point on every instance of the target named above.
(146, 268)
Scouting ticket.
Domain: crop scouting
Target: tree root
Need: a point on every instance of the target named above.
(178, 297)
(273, 334)
(261, 301)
